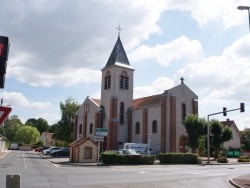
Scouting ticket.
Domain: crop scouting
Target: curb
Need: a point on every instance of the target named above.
(234, 184)
(4, 153)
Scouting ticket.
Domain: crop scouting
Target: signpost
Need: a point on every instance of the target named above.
(99, 137)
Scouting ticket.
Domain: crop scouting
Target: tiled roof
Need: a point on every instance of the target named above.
(154, 100)
(97, 101)
(118, 54)
(227, 123)
(80, 141)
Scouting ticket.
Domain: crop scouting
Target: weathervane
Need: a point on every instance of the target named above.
(119, 29)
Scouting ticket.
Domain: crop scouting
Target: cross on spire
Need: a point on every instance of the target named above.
(182, 80)
(119, 30)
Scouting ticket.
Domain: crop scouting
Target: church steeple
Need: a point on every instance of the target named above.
(118, 54)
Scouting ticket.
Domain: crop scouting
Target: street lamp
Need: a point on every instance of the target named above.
(245, 8)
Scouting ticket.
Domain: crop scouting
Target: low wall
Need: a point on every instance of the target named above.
(25, 148)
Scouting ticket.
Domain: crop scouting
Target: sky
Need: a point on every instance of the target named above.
(58, 48)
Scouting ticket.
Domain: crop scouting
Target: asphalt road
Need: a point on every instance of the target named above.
(38, 172)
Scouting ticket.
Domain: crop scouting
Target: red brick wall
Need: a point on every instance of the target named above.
(130, 126)
(172, 124)
(163, 122)
(145, 126)
(113, 124)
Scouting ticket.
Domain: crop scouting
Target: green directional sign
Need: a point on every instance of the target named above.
(101, 131)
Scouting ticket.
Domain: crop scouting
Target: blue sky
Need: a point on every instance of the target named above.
(58, 48)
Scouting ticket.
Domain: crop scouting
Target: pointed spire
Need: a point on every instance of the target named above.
(118, 53)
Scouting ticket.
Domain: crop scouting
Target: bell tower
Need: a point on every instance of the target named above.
(117, 94)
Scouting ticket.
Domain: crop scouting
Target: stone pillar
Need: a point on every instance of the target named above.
(13, 181)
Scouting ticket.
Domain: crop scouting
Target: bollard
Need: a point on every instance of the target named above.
(13, 181)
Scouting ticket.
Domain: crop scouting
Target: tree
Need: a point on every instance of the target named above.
(220, 134)
(27, 135)
(41, 124)
(12, 124)
(194, 129)
(65, 125)
(53, 128)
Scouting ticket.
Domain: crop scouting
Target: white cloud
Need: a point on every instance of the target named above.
(21, 106)
(157, 87)
(180, 49)
(221, 80)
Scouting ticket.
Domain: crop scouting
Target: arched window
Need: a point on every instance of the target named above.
(124, 80)
(107, 80)
(183, 111)
(122, 113)
(91, 128)
(137, 128)
(154, 126)
(80, 129)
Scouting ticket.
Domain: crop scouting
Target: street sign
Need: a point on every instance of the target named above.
(4, 112)
(101, 131)
(98, 138)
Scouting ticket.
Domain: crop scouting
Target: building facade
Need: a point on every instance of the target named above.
(156, 120)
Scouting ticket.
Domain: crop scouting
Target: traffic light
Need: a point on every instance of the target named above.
(4, 52)
(224, 111)
(242, 107)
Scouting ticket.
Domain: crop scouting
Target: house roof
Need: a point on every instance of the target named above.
(227, 122)
(118, 54)
(81, 140)
(97, 101)
(144, 102)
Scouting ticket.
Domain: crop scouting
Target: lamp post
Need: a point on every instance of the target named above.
(245, 8)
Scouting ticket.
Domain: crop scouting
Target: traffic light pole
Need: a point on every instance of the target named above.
(224, 112)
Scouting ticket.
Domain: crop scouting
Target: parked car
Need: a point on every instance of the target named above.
(47, 151)
(14, 146)
(61, 152)
(127, 152)
(39, 149)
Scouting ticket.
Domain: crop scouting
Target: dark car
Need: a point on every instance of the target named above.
(61, 152)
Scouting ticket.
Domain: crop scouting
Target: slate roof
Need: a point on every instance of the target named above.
(154, 100)
(118, 54)
(80, 141)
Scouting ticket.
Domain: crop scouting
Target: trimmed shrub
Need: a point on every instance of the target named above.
(222, 160)
(178, 158)
(243, 158)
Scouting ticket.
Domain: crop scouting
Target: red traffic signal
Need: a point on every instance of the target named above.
(4, 52)
(4, 48)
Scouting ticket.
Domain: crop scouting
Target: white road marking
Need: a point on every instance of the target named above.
(25, 166)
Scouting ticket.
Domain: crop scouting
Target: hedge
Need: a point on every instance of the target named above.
(178, 158)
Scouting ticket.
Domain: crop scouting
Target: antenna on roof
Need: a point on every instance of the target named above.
(119, 30)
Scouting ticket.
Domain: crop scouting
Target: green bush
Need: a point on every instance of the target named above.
(243, 158)
(222, 160)
(108, 158)
(178, 158)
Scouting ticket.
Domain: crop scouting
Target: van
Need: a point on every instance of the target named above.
(139, 148)
(14, 146)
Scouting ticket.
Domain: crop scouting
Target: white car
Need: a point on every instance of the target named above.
(47, 151)
(127, 152)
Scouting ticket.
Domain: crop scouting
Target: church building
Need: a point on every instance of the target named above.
(156, 120)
